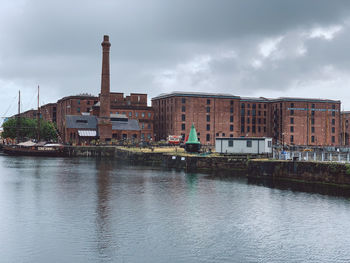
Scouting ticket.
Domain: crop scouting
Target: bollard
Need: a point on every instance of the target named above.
(314, 156)
(307, 156)
(322, 157)
(330, 157)
(300, 156)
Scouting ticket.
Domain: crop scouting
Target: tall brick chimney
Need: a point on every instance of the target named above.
(104, 123)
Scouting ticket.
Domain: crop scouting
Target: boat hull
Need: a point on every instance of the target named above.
(37, 151)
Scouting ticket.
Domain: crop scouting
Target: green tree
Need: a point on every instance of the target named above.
(28, 128)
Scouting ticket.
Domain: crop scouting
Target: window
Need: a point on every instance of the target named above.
(249, 144)
(208, 117)
(142, 114)
(183, 100)
(291, 112)
(88, 102)
(208, 137)
(333, 130)
(223, 134)
(230, 143)
(292, 105)
(291, 138)
(248, 128)
(231, 102)
(183, 126)
(259, 129)
(130, 114)
(333, 121)
(312, 113)
(333, 106)
(313, 129)
(259, 121)
(231, 110)
(259, 105)
(208, 127)
(248, 106)
(264, 129)
(208, 102)
(242, 120)
(248, 113)
(333, 139)
(313, 106)
(231, 118)
(291, 120)
(231, 127)
(291, 128)
(242, 112)
(259, 112)
(264, 106)
(269, 144)
(312, 138)
(183, 117)
(242, 129)
(254, 112)
(248, 120)
(333, 113)
(217, 134)
(254, 106)
(253, 129)
(242, 105)
(149, 115)
(78, 101)
(312, 121)
(149, 126)
(183, 109)
(78, 109)
(208, 109)
(231, 135)
(264, 113)
(143, 125)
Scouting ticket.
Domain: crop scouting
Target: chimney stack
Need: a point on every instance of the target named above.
(104, 123)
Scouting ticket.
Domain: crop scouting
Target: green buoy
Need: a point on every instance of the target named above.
(192, 144)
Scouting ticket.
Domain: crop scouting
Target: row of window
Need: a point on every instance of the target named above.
(253, 112)
(312, 139)
(183, 100)
(136, 114)
(253, 106)
(253, 120)
(291, 112)
(183, 118)
(312, 129)
(253, 129)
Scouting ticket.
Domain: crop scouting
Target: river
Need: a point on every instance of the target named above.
(91, 210)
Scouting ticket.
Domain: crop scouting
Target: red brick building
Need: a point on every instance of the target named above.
(134, 107)
(214, 115)
(73, 105)
(345, 131)
(49, 112)
(300, 121)
(291, 121)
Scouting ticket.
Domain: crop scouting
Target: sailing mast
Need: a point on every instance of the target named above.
(18, 116)
(38, 118)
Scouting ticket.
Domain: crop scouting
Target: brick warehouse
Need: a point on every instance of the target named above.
(292, 121)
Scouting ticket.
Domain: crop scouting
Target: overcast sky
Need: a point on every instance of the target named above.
(267, 48)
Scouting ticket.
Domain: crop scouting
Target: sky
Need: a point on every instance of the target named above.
(268, 48)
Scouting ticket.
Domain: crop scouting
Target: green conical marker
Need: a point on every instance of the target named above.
(192, 138)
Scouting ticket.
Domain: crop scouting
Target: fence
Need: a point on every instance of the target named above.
(312, 156)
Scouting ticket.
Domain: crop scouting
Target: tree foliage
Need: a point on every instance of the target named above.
(27, 129)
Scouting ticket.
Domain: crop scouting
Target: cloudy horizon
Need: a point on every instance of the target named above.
(253, 48)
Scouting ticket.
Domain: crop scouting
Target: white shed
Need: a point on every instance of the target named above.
(244, 145)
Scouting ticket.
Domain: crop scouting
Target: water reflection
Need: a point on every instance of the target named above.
(103, 183)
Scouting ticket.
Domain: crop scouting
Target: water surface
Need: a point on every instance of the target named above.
(91, 210)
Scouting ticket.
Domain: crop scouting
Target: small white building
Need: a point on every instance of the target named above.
(244, 145)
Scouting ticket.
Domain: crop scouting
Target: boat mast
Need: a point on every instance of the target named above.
(18, 116)
(38, 117)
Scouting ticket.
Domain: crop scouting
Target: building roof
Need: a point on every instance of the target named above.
(254, 99)
(130, 125)
(303, 100)
(81, 122)
(196, 94)
(81, 97)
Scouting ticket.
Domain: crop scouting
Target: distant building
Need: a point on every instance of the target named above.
(73, 105)
(213, 115)
(289, 121)
(247, 145)
(345, 128)
(49, 112)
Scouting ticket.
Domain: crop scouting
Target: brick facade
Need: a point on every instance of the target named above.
(73, 105)
(291, 121)
(49, 112)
